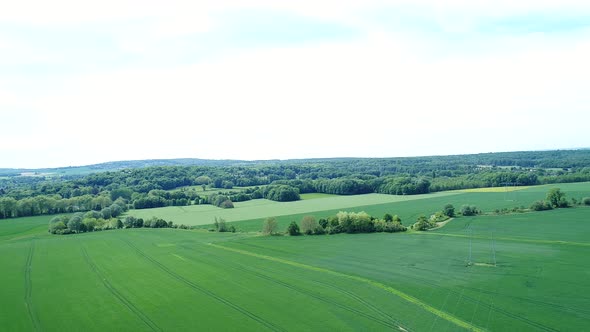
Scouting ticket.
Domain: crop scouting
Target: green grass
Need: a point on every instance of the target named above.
(316, 195)
(178, 280)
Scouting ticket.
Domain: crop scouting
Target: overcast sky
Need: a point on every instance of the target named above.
(84, 82)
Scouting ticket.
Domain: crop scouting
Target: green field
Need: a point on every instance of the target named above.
(249, 216)
(529, 272)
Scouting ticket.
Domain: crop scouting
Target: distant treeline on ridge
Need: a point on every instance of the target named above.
(159, 186)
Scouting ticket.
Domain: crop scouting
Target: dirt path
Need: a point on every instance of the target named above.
(441, 224)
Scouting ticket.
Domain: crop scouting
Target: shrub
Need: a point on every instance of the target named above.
(270, 226)
(57, 227)
(541, 206)
(439, 217)
(319, 230)
(308, 225)
(293, 229)
(422, 224)
(227, 204)
(220, 225)
(586, 200)
(449, 210)
(469, 210)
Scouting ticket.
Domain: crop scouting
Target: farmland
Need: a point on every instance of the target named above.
(262, 208)
(249, 216)
(528, 271)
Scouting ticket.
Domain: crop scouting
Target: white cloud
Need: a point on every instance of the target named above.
(358, 98)
(385, 93)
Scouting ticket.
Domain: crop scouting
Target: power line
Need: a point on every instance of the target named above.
(493, 250)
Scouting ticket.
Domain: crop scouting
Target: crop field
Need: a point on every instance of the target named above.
(495, 189)
(316, 195)
(407, 207)
(518, 272)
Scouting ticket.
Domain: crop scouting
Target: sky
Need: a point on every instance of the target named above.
(84, 82)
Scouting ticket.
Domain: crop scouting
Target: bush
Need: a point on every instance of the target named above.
(469, 210)
(586, 200)
(319, 230)
(227, 204)
(422, 224)
(270, 226)
(439, 217)
(308, 225)
(293, 229)
(220, 225)
(57, 227)
(541, 206)
(449, 210)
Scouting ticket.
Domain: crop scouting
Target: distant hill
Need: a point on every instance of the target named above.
(544, 159)
(115, 166)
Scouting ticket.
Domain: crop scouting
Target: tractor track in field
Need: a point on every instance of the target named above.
(203, 290)
(387, 323)
(410, 299)
(584, 312)
(143, 317)
(29, 289)
(527, 321)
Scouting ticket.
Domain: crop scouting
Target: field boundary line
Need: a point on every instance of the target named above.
(29, 288)
(514, 239)
(143, 317)
(394, 291)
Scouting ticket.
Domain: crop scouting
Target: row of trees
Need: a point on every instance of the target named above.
(555, 199)
(93, 221)
(342, 222)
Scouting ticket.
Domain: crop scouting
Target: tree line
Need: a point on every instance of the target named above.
(159, 186)
(94, 221)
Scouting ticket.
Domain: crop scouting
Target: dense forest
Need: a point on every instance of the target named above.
(180, 185)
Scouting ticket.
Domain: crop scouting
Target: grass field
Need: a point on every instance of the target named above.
(530, 272)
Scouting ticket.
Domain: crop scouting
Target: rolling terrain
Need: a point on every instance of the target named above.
(524, 272)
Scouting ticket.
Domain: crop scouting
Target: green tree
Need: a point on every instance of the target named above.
(449, 210)
(388, 217)
(586, 200)
(106, 213)
(422, 224)
(220, 225)
(57, 228)
(556, 198)
(469, 210)
(121, 192)
(75, 222)
(270, 226)
(227, 204)
(541, 206)
(129, 222)
(293, 229)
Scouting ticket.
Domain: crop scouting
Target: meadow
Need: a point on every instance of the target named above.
(517, 272)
